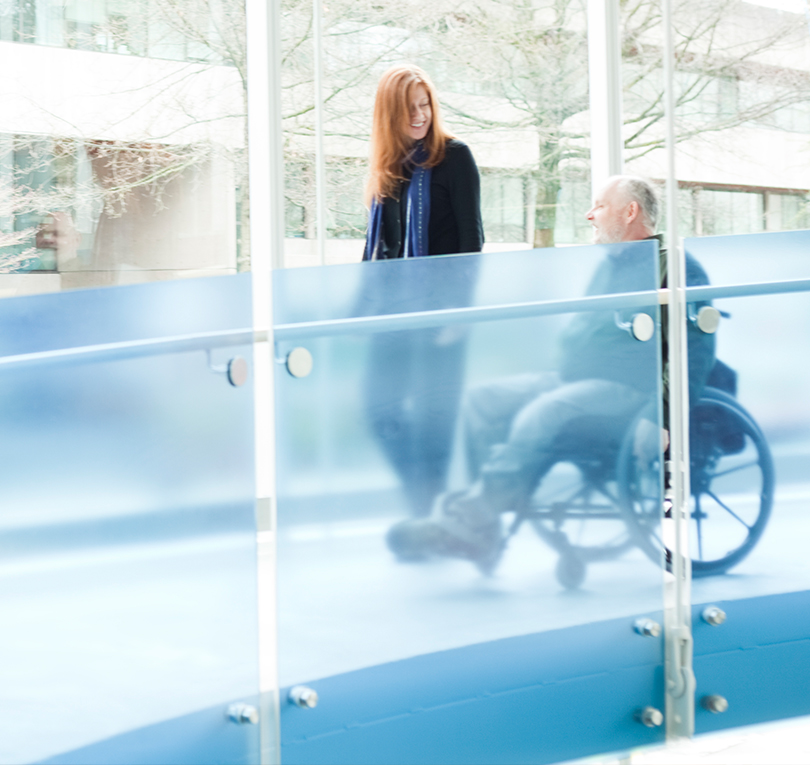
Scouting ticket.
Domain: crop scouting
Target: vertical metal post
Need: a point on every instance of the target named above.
(266, 180)
(265, 133)
(320, 162)
(680, 679)
(605, 87)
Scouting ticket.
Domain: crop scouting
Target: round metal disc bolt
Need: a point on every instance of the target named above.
(243, 714)
(303, 697)
(708, 319)
(651, 717)
(237, 371)
(643, 327)
(647, 627)
(713, 615)
(714, 703)
(299, 362)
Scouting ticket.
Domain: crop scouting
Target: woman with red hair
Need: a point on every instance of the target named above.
(423, 188)
(424, 197)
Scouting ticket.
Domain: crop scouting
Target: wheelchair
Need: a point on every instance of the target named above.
(603, 496)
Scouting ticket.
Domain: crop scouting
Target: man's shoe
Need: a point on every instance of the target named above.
(414, 540)
(462, 526)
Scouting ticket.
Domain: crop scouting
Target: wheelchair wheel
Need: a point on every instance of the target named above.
(570, 571)
(732, 484)
(575, 512)
(639, 476)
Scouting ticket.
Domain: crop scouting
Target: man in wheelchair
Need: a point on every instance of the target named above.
(516, 427)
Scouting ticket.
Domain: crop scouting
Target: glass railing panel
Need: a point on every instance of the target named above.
(749, 463)
(465, 475)
(753, 259)
(127, 525)
(427, 284)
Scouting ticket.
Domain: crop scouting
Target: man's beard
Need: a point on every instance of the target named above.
(609, 234)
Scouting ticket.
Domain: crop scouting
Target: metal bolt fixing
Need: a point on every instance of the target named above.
(237, 371)
(243, 714)
(647, 627)
(713, 615)
(303, 697)
(651, 717)
(299, 362)
(708, 319)
(714, 703)
(643, 327)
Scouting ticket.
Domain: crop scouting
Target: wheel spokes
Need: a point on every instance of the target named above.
(581, 515)
(659, 541)
(727, 509)
(744, 466)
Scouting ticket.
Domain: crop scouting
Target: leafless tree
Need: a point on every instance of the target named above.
(503, 66)
(529, 57)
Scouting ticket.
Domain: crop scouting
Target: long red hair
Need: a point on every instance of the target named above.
(389, 143)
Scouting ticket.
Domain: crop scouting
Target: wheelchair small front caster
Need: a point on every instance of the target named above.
(570, 571)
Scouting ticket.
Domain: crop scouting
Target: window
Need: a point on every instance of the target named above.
(49, 202)
(346, 213)
(729, 212)
(776, 106)
(298, 198)
(702, 98)
(129, 27)
(787, 212)
(503, 207)
(574, 201)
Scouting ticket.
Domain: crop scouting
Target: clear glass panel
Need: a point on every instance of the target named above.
(762, 467)
(409, 457)
(749, 463)
(134, 168)
(127, 526)
(753, 259)
(512, 81)
(741, 116)
(190, 31)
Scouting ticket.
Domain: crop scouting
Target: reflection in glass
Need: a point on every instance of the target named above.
(518, 428)
(413, 381)
(340, 496)
(133, 168)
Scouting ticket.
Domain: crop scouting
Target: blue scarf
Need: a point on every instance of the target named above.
(417, 214)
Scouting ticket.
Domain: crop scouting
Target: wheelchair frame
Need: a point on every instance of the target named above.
(624, 488)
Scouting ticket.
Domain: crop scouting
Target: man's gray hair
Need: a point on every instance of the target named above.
(638, 190)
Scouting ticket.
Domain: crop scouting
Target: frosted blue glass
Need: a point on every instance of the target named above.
(127, 527)
(455, 405)
(764, 469)
(376, 434)
(753, 258)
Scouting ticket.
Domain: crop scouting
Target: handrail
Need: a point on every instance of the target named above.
(360, 325)
(471, 314)
(386, 323)
(468, 315)
(130, 349)
(711, 292)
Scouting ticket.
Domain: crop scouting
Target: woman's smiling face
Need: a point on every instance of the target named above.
(420, 114)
